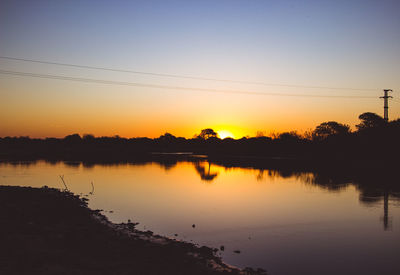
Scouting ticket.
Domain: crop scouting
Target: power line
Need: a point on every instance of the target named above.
(184, 76)
(134, 84)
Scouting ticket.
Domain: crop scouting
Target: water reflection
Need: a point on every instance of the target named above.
(204, 171)
(371, 196)
(73, 164)
(316, 218)
(374, 189)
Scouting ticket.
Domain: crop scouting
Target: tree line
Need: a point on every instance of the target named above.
(374, 138)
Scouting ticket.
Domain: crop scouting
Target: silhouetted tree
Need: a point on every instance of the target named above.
(88, 137)
(289, 136)
(308, 134)
(167, 137)
(395, 122)
(74, 138)
(207, 133)
(370, 120)
(330, 128)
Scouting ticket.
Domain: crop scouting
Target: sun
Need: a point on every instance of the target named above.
(225, 134)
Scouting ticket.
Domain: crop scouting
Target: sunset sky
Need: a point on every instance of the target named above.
(301, 44)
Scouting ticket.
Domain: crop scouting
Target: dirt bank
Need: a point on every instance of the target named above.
(46, 231)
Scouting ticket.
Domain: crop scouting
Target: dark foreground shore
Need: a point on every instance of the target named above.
(47, 231)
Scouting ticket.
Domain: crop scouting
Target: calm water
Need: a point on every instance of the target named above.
(289, 224)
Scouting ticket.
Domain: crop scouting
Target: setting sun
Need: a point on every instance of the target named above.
(225, 134)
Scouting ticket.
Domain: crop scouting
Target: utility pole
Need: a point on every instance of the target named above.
(386, 221)
(386, 103)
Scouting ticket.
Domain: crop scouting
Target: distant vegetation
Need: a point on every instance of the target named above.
(374, 139)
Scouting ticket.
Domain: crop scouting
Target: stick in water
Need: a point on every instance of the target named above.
(62, 178)
(91, 193)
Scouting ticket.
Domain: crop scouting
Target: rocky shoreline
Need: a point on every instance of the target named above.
(48, 231)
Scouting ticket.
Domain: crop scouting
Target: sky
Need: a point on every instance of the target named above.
(354, 45)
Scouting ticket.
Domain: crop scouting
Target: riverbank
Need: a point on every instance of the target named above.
(47, 231)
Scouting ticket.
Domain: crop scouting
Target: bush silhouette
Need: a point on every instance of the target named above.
(330, 128)
(207, 133)
(370, 120)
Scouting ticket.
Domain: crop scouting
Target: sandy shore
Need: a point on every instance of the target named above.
(47, 231)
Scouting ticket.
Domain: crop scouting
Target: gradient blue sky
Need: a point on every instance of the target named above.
(324, 43)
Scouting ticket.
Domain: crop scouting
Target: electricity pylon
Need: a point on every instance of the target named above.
(386, 103)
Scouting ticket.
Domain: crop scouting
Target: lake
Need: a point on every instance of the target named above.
(286, 223)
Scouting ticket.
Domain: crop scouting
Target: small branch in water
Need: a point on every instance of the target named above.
(91, 193)
(62, 178)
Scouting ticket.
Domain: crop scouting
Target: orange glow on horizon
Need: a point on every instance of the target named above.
(33, 109)
(225, 134)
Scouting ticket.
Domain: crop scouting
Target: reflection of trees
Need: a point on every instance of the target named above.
(276, 174)
(370, 196)
(260, 175)
(88, 165)
(204, 172)
(73, 164)
(322, 180)
(377, 188)
(168, 165)
(374, 196)
(374, 188)
(20, 163)
(331, 183)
